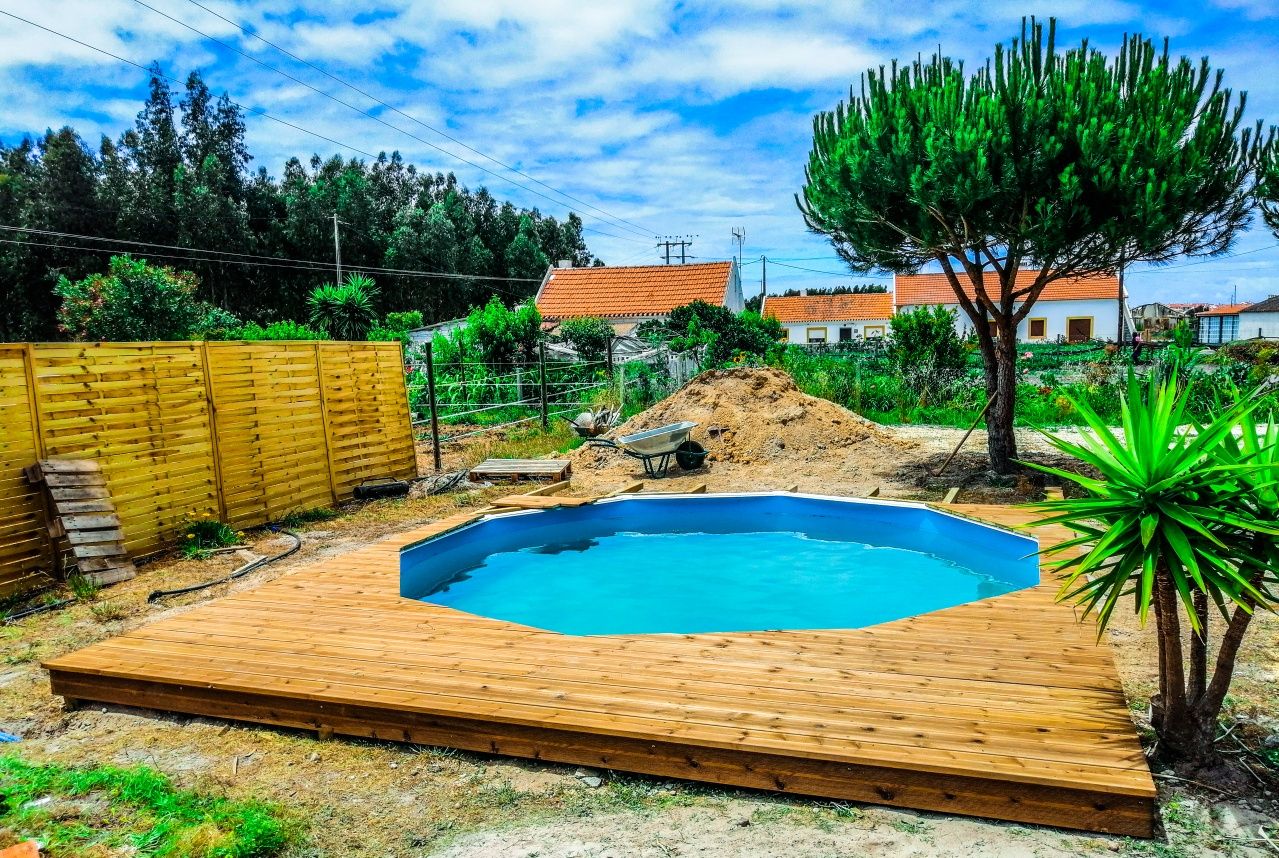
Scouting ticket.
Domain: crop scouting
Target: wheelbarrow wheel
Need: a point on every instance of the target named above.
(690, 455)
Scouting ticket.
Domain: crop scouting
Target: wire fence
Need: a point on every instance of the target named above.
(455, 400)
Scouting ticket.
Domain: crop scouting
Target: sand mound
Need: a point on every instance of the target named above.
(758, 417)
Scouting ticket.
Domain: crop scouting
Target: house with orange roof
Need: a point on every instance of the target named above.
(813, 319)
(630, 294)
(1069, 310)
(1219, 324)
(1240, 322)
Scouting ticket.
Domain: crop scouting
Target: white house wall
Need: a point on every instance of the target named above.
(1258, 325)
(797, 332)
(1104, 315)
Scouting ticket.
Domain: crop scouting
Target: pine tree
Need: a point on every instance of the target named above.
(1070, 164)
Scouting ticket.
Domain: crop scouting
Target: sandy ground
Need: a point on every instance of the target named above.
(379, 799)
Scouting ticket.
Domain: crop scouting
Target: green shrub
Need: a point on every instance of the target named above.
(134, 301)
(726, 336)
(396, 326)
(588, 335)
(276, 331)
(345, 311)
(204, 532)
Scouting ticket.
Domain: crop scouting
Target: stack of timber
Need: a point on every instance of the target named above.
(83, 518)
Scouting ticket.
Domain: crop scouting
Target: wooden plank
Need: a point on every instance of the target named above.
(539, 502)
(553, 488)
(75, 480)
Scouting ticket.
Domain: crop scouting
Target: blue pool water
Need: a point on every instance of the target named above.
(717, 563)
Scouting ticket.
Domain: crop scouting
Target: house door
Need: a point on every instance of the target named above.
(1079, 330)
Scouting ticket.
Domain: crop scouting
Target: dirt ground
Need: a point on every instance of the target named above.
(379, 799)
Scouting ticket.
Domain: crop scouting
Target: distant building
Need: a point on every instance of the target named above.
(830, 318)
(1073, 310)
(421, 336)
(1156, 317)
(1219, 324)
(629, 295)
(1260, 320)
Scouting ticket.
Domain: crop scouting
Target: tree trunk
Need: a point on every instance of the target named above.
(1001, 441)
(1186, 709)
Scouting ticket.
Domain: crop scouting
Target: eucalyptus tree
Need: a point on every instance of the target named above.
(1069, 164)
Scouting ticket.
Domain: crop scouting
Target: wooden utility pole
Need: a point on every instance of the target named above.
(430, 398)
(337, 250)
(541, 370)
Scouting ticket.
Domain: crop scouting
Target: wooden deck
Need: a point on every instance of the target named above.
(1003, 708)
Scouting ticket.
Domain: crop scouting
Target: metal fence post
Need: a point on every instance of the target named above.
(430, 395)
(541, 370)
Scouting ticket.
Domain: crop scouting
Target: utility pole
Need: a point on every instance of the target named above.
(763, 282)
(1119, 339)
(337, 250)
(739, 234)
(682, 242)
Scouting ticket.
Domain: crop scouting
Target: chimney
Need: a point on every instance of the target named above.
(564, 263)
(803, 293)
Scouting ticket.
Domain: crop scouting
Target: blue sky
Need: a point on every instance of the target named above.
(677, 118)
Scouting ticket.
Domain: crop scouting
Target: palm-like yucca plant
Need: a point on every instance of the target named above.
(1182, 521)
(346, 310)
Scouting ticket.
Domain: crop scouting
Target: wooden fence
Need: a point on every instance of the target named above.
(244, 431)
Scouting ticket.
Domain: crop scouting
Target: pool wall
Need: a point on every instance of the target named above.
(1008, 556)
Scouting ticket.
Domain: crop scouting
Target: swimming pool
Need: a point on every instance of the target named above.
(717, 563)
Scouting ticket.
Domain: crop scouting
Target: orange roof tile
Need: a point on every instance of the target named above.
(1223, 310)
(829, 308)
(637, 290)
(914, 289)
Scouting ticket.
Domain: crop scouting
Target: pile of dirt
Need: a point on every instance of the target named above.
(758, 418)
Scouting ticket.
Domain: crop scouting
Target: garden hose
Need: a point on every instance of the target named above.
(38, 609)
(238, 573)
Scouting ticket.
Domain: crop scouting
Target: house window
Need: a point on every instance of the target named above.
(873, 331)
(1079, 329)
(817, 335)
(845, 335)
(1037, 329)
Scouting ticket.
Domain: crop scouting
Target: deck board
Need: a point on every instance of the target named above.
(1005, 707)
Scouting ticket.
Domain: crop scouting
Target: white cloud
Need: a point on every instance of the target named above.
(621, 103)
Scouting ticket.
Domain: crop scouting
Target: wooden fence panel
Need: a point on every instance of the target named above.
(23, 544)
(140, 410)
(244, 431)
(363, 388)
(271, 430)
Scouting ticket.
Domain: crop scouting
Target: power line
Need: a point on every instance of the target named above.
(1162, 268)
(833, 273)
(106, 250)
(622, 222)
(249, 259)
(610, 235)
(248, 110)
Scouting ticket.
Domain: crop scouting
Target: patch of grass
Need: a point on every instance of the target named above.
(85, 589)
(308, 516)
(202, 533)
(89, 811)
(527, 443)
(106, 611)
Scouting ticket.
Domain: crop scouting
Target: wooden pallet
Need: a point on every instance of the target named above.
(82, 517)
(522, 469)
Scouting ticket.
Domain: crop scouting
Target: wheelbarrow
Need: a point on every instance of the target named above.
(655, 447)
